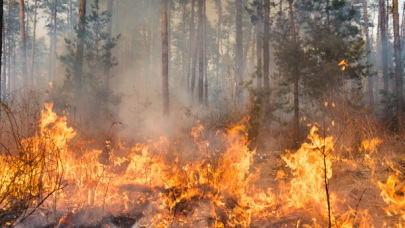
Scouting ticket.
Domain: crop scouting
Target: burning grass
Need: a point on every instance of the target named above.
(203, 180)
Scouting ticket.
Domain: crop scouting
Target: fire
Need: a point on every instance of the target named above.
(207, 183)
(308, 166)
(343, 64)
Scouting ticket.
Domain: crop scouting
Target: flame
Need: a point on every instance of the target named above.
(202, 184)
(308, 169)
(343, 64)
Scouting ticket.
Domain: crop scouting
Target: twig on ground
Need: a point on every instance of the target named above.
(355, 214)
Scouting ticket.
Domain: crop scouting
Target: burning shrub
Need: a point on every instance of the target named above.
(33, 172)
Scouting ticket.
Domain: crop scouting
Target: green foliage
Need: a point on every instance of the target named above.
(321, 46)
(98, 97)
(260, 109)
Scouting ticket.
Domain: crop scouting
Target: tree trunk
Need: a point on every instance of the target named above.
(205, 54)
(239, 51)
(218, 36)
(5, 53)
(169, 33)
(2, 82)
(384, 44)
(296, 101)
(55, 41)
(201, 52)
(165, 60)
(397, 50)
(194, 66)
(14, 75)
(33, 44)
(190, 71)
(148, 52)
(80, 47)
(259, 44)
(378, 61)
(28, 15)
(247, 46)
(402, 30)
(108, 52)
(23, 44)
(390, 48)
(9, 52)
(253, 49)
(183, 52)
(266, 50)
(370, 79)
(51, 46)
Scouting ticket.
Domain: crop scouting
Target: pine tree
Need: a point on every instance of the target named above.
(165, 59)
(200, 51)
(33, 44)
(97, 60)
(266, 51)
(23, 44)
(370, 79)
(259, 74)
(239, 49)
(398, 70)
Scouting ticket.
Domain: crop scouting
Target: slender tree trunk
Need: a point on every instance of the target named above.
(190, 67)
(148, 46)
(201, 52)
(33, 44)
(239, 51)
(2, 82)
(80, 47)
(397, 50)
(402, 30)
(205, 54)
(219, 36)
(259, 74)
(108, 52)
(370, 79)
(28, 15)
(149, 52)
(384, 53)
(5, 53)
(9, 53)
(23, 44)
(14, 76)
(296, 101)
(390, 48)
(194, 66)
(253, 49)
(379, 58)
(55, 37)
(97, 57)
(183, 52)
(169, 32)
(165, 59)
(266, 50)
(247, 46)
(146, 41)
(51, 46)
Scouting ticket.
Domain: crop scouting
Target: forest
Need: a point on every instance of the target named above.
(202, 113)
